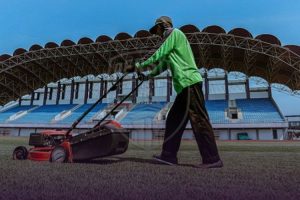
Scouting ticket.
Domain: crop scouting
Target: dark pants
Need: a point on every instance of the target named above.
(190, 105)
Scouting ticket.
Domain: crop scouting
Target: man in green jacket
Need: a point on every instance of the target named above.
(176, 54)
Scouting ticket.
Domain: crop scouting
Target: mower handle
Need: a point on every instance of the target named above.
(94, 105)
(113, 87)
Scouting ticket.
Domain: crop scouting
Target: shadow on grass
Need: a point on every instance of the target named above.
(114, 160)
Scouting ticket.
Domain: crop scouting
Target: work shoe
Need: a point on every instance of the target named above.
(217, 164)
(166, 159)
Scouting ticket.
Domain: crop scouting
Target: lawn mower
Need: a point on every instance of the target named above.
(106, 138)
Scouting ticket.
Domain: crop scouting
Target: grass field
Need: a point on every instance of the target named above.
(253, 170)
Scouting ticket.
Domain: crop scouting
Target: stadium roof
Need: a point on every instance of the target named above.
(237, 50)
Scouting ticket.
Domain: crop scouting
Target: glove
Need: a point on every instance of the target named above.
(132, 67)
(143, 77)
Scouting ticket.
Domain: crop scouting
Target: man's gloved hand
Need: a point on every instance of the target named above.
(143, 77)
(133, 67)
(130, 68)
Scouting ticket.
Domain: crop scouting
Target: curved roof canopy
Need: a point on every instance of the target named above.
(237, 50)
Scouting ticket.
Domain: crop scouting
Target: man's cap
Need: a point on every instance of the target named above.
(162, 19)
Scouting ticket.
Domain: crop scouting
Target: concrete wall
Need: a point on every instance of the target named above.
(265, 134)
(138, 134)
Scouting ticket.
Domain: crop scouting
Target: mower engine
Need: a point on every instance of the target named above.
(47, 138)
(46, 144)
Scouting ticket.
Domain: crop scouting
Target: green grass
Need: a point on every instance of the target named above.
(253, 170)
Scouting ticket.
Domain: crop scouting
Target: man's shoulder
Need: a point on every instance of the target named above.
(178, 32)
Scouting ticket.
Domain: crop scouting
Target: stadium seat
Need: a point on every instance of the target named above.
(143, 113)
(6, 114)
(43, 114)
(258, 111)
(78, 112)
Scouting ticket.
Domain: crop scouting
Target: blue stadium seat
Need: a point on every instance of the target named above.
(43, 114)
(253, 111)
(216, 110)
(258, 110)
(143, 113)
(78, 112)
(6, 114)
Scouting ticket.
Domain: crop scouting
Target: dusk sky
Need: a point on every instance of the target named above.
(28, 22)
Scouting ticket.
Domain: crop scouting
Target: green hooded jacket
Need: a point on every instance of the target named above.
(175, 53)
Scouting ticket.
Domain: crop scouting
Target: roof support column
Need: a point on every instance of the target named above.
(45, 95)
(169, 89)
(117, 89)
(32, 98)
(20, 101)
(101, 88)
(206, 85)
(58, 93)
(247, 87)
(120, 87)
(133, 86)
(86, 91)
(91, 86)
(226, 87)
(105, 88)
(72, 91)
(151, 89)
(269, 91)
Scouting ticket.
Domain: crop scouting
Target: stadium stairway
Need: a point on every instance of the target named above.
(117, 114)
(64, 114)
(162, 114)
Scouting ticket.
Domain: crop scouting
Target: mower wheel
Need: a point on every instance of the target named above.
(20, 153)
(59, 155)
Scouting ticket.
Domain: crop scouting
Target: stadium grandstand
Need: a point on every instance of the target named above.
(51, 86)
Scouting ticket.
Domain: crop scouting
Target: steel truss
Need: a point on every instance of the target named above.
(21, 74)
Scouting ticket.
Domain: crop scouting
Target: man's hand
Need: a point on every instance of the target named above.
(133, 67)
(130, 68)
(142, 76)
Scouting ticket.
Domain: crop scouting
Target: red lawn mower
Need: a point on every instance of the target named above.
(106, 138)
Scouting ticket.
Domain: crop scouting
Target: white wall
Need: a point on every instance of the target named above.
(223, 134)
(141, 134)
(26, 132)
(188, 135)
(259, 95)
(280, 133)
(96, 93)
(237, 96)
(80, 99)
(25, 103)
(127, 86)
(216, 96)
(40, 101)
(160, 87)
(265, 134)
(66, 100)
(54, 95)
(110, 96)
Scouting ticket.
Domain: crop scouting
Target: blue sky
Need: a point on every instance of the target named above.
(28, 22)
